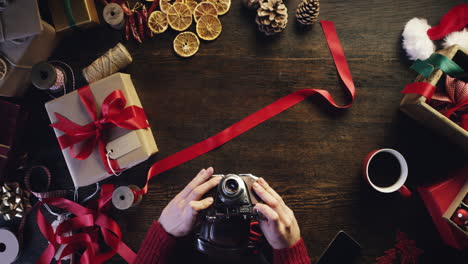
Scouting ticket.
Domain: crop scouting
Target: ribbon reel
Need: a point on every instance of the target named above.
(125, 197)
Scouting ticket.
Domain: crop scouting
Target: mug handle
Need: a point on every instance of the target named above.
(405, 192)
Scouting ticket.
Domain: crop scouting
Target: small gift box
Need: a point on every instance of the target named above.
(457, 212)
(67, 14)
(19, 19)
(12, 120)
(102, 129)
(19, 57)
(438, 199)
(417, 107)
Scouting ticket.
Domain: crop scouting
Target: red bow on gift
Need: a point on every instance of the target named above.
(90, 222)
(113, 113)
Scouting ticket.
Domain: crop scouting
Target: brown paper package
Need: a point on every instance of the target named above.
(92, 170)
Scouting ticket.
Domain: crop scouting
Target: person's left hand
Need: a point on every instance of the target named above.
(180, 215)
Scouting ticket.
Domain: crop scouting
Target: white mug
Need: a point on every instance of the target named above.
(399, 184)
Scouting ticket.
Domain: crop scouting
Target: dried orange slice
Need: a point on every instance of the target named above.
(209, 27)
(179, 16)
(157, 22)
(165, 4)
(191, 4)
(204, 8)
(186, 44)
(221, 5)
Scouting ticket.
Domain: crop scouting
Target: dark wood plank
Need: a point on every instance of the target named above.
(311, 154)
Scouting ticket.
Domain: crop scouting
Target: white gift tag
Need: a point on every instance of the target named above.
(123, 145)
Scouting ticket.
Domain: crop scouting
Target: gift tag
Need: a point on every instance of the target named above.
(123, 145)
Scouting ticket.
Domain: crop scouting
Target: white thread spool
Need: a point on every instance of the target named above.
(111, 62)
(9, 246)
(124, 197)
(114, 15)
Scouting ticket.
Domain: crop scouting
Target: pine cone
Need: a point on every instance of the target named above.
(308, 11)
(272, 16)
(251, 4)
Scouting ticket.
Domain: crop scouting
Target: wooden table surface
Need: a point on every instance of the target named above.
(311, 153)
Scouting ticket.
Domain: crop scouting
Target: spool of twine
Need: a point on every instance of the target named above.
(46, 76)
(114, 15)
(111, 62)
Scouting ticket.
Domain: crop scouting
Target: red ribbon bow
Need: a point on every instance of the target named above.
(113, 113)
(90, 221)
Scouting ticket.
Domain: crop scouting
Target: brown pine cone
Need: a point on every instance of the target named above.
(308, 11)
(272, 16)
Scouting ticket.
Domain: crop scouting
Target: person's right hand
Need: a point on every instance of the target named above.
(280, 227)
(179, 216)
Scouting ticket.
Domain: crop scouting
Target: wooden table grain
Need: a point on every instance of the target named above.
(311, 153)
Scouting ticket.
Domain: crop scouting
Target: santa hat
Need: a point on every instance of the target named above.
(418, 35)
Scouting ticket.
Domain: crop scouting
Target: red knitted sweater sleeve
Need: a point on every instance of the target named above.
(296, 254)
(157, 246)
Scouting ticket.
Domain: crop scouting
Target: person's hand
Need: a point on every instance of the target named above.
(180, 215)
(280, 226)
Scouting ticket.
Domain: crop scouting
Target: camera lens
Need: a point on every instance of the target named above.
(232, 186)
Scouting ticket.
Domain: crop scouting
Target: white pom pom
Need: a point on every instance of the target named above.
(415, 40)
(459, 37)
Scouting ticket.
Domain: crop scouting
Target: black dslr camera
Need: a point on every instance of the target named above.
(225, 225)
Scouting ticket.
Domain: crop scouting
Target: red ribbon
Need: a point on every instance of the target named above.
(422, 88)
(113, 113)
(263, 114)
(90, 221)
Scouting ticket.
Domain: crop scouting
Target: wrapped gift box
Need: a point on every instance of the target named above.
(438, 198)
(12, 120)
(416, 106)
(458, 203)
(67, 14)
(135, 145)
(20, 19)
(25, 54)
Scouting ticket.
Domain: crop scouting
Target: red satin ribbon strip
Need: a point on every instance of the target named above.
(114, 113)
(90, 221)
(422, 88)
(263, 114)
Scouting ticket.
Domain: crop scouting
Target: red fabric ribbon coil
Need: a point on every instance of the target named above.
(90, 222)
(113, 113)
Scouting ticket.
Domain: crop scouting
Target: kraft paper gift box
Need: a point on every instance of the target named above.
(415, 105)
(19, 19)
(138, 145)
(24, 55)
(67, 14)
(12, 120)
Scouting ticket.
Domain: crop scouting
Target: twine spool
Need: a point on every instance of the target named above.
(125, 197)
(111, 62)
(9, 246)
(46, 76)
(114, 16)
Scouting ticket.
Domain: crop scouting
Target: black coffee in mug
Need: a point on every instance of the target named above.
(384, 169)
